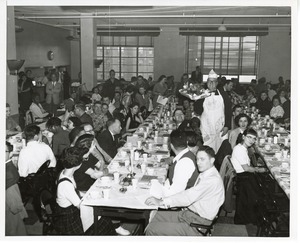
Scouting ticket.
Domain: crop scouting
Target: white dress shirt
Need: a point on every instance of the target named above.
(205, 198)
(33, 156)
(66, 194)
(239, 157)
(183, 171)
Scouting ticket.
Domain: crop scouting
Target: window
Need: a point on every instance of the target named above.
(128, 56)
(228, 56)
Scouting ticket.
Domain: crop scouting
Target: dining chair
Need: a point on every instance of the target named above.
(228, 175)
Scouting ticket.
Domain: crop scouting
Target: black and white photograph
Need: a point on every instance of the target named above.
(130, 119)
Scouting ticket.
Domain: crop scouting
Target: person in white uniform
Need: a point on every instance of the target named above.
(215, 114)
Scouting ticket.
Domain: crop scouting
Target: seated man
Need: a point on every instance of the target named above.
(183, 172)
(79, 111)
(36, 108)
(201, 203)
(35, 154)
(60, 139)
(181, 123)
(107, 139)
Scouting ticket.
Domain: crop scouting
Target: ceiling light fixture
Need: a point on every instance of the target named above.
(222, 27)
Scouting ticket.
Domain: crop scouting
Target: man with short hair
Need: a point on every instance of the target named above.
(197, 76)
(35, 154)
(105, 111)
(181, 123)
(215, 114)
(107, 139)
(236, 110)
(107, 100)
(60, 139)
(99, 119)
(201, 203)
(183, 171)
(79, 111)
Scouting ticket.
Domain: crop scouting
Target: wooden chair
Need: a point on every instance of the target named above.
(228, 175)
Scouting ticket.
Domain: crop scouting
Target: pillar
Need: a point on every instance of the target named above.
(11, 80)
(88, 37)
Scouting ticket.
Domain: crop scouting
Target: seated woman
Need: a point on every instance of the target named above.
(36, 108)
(11, 126)
(90, 169)
(277, 110)
(247, 188)
(263, 103)
(242, 121)
(68, 201)
(134, 118)
(73, 122)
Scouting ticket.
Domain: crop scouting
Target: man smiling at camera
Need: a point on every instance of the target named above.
(200, 203)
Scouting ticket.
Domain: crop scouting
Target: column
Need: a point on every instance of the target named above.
(11, 80)
(88, 37)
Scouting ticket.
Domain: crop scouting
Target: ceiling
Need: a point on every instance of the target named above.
(68, 17)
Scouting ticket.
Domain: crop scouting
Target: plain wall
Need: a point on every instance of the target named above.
(36, 40)
(169, 53)
(275, 54)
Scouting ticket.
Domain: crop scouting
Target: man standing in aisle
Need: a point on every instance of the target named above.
(200, 203)
(110, 84)
(197, 75)
(53, 90)
(215, 112)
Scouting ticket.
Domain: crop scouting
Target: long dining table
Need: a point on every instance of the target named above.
(274, 142)
(142, 158)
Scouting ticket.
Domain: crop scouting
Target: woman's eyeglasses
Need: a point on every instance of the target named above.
(252, 138)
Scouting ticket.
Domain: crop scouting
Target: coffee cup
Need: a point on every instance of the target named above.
(262, 141)
(165, 146)
(105, 180)
(166, 139)
(94, 194)
(143, 168)
(106, 192)
(129, 145)
(150, 171)
(154, 181)
(127, 162)
(150, 146)
(281, 129)
(284, 165)
(278, 155)
(139, 144)
(116, 177)
(134, 183)
(145, 156)
(123, 154)
(267, 147)
(159, 157)
(284, 153)
(269, 140)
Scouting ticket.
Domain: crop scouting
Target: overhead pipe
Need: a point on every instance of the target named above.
(182, 24)
(150, 16)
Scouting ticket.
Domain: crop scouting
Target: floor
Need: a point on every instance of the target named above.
(224, 226)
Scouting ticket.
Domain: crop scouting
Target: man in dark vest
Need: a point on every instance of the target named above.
(183, 171)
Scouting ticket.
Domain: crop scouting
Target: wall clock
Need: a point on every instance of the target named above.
(50, 55)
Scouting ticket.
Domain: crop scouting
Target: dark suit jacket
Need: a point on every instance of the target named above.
(107, 143)
(197, 78)
(109, 88)
(198, 106)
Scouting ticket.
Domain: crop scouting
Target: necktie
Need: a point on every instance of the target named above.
(197, 181)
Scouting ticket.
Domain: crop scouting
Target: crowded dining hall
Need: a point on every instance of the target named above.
(149, 121)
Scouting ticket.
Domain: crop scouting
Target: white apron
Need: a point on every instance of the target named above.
(212, 121)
